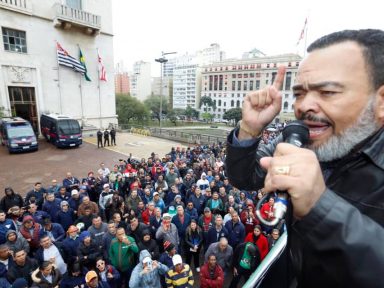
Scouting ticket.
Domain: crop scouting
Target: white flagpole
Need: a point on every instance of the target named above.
(58, 81)
(81, 97)
(305, 35)
(98, 76)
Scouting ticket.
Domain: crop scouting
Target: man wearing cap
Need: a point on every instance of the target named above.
(92, 281)
(147, 272)
(75, 200)
(206, 221)
(105, 195)
(54, 230)
(169, 251)
(159, 202)
(88, 251)
(66, 216)
(168, 231)
(180, 275)
(121, 254)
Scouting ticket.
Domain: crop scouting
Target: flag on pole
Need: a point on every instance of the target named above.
(102, 72)
(63, 58)
(302, 32)
(82, 61)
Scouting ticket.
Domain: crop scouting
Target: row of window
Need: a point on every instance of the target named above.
(250, 66)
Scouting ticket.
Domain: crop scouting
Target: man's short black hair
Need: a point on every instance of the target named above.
(372, 44)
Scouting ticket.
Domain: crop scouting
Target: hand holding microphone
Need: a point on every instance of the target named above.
(294, 170)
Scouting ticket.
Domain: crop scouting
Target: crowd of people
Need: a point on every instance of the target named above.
(138, 224)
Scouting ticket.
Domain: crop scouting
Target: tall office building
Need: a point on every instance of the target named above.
(141, 80)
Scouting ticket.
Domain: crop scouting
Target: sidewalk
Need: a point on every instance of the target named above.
(140, 146)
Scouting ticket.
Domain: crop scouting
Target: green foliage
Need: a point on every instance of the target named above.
(153, 104)
(207, 116)
(233, 114)
(2, 114)
(207, 102)
(128, 108)
(191, 113)
(174, 113)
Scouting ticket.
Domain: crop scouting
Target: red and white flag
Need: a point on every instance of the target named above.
(302, 32)
(102, 72)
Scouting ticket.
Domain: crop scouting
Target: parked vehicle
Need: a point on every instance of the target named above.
(17, 134)
(61, 130)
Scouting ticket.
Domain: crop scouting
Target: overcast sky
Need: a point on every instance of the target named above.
(145, 28)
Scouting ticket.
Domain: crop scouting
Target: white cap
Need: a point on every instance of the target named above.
(147, 259)
(74, 191)
(176, 259)
(105, 185)
(167, 215)
(156, 193)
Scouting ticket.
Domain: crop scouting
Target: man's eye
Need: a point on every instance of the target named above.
(297, 94)
(328, 93)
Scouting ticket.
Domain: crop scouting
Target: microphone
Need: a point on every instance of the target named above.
(295, 133)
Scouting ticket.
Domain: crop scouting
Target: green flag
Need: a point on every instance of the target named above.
(82, 61)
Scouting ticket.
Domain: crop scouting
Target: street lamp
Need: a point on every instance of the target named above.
(162, 60)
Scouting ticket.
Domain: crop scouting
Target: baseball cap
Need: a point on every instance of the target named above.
(105, 185)
(168, 246)
(176, 259)
(206, 209)
(90, 275)
(74, 191)
(166, 215)
(156, 193)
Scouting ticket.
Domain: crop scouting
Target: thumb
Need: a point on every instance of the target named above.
(265, 162)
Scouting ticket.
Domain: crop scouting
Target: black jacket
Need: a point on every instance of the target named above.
(338, 243)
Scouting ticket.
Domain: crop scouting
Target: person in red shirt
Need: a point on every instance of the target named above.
(248, 218)
(211, 274)
(259, 239)
(267, 210)
(150, 211)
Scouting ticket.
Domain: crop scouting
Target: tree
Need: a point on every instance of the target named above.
(207, 116)
(207, 102)
(128, 108)
(233, 114)
(153, 104)
(173, 115)
(191, 113)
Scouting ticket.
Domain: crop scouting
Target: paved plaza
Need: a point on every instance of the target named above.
(21, 171)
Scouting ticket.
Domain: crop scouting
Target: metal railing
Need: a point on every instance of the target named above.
(77, 16)
(177, 135)
(15, 5)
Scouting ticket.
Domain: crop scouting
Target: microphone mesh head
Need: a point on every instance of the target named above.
(299, 128)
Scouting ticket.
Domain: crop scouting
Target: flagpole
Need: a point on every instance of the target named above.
(58, 81)
(98, 76)
(305, 35)
(81, 98)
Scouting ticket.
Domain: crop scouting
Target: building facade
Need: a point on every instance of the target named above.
(122, 84)
(187, 76)
(32, 82)
(141, 86)
(228, 82)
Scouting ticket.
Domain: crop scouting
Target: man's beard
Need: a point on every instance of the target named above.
(337, 146)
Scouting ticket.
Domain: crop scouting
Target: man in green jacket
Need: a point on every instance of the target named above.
(121, 254)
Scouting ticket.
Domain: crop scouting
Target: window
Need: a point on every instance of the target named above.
(215, 83)
(74, 4)
(285, 105)
(219, 102)
(14, 40)
(239, 85)
(233, 85)
(288, 79)
(273, 76)
(238, 103)
(257, 85)
(221, 82)
(250, 85)
(210, 83)
(233, 75)
(225, 104)
(232, 103)
(245, 85)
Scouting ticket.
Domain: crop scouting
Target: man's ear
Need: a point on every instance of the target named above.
(380, 105)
